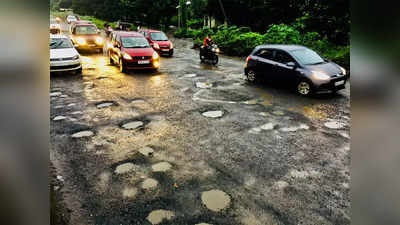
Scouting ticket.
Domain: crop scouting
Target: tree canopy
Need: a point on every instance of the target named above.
(328, 18)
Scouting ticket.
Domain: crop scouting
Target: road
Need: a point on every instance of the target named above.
(269, 156)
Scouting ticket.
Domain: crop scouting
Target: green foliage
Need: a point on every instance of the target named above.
(240, 41)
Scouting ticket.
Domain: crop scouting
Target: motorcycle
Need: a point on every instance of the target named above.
(209, 54)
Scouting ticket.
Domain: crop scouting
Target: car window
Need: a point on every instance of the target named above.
(307, 57)
(134, 42)
(58, 43)
(282, 57)
(266, 54)
(158, 36)
(86, 30)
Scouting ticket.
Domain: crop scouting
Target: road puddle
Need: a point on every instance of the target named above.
(158, 216)
(161, 167)
(149, 184)
(133, 125)
(215, 200)
(83, 134)
(213, 114)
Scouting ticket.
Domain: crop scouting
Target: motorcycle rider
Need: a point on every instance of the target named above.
(208, 42)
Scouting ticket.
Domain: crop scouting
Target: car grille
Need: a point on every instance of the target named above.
(62, 59)
(135, 64)
(141, 57)
(64, 67)
(90, 42)
(165, 47)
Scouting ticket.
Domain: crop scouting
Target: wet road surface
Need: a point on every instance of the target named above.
(194, 144)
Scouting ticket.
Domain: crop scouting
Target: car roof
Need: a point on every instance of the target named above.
(55, 36)
(129, 34)
(282, 47)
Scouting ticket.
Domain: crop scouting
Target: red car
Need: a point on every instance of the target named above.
(159, 41)
(131, 50)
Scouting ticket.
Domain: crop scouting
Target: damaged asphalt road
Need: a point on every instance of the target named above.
(195, 143)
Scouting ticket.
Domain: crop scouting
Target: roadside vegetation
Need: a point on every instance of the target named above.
(240, 41)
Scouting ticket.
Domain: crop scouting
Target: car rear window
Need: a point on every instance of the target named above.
(266, 54)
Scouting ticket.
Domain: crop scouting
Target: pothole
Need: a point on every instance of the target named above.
(125, 168)
(191, 75)
(146, 151)
(268, 126)
(55, 94)
(158, 216)
(334, 125)
(278, 113)
(294, 129)
(204, 85)
(221, 95)
(215, 200)
(83, 134)
(129, 192)
(161, 167)
(149, 184)
(58, 118)
(104, 104)
(213, 114)
(133, 125)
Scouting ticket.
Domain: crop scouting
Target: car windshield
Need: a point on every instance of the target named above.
(307, 57)
(158, 36)
(86, 30)
(135, 42)
(57, 43)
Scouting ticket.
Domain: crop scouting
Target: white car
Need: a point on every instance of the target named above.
(71, 18)
(63, 55)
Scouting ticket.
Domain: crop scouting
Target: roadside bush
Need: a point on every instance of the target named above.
(240, 41)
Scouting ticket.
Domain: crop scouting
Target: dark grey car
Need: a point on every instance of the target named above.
(297, 66)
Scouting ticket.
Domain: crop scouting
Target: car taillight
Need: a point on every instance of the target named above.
(248, 59)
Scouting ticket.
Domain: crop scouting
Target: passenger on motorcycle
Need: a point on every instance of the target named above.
(208, 42)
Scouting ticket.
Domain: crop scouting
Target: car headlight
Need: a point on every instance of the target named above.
(155, 56)
(320, 75)
(343, 70)
(156, 45)
(99, 40)
(81, 41)
(75, 57)
(171, 46)
(127, 56)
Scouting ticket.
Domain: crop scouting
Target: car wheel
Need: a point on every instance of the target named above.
(122, 68)
(78, 71)
(171, 54)
(304, 88)
(251, 76)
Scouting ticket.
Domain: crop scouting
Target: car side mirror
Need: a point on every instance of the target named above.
(291, 64)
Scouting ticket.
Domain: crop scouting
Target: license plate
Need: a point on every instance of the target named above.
(339, 83)
(144, 62)
(92, 45)
(165, 50)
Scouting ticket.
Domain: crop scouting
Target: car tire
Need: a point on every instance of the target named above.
(304, 88)
(122, 68)
(78, 71)
(251, 76)
(171, 54)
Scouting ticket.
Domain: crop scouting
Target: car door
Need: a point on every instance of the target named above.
(264, 63)
(283, 72)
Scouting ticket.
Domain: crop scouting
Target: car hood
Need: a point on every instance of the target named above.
(329, 68)
(89, 37)
(139, 51)
(63, 53)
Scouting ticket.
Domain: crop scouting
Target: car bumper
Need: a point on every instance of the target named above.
(134, 65)
(65, 66)
(334, 84)
(89, 46)
(164, 51)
